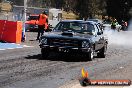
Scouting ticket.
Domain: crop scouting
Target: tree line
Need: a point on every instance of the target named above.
(120, 9)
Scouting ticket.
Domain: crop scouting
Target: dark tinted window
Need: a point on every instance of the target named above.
(64, 26)
(75, 27)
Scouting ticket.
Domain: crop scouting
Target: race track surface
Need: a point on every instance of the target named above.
(25, 68)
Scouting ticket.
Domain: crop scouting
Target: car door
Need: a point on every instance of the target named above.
(96, 38)
(100, 37)
(92, 28)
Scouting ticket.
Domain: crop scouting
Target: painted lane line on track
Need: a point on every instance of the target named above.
(10, 46)
(17, 47)
(27, 46)
(2, 49)
(22, 45)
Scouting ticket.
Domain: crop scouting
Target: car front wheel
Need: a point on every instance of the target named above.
(102, 52)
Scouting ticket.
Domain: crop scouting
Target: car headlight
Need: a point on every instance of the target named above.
(44, 41)
(85, 44)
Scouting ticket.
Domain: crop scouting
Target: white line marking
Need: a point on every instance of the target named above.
(18, 46)
(27, 46)
(10, 48)
(2, 49)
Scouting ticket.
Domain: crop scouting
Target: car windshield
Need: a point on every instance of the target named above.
(93, 20)
(75, 27)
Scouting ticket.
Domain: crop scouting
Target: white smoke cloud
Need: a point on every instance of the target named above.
(122, 38)
(130, 26)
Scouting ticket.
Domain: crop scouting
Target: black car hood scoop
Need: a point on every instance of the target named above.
(68, 33)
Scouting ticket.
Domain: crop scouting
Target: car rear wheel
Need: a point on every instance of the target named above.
(45, 53)
(102, 52)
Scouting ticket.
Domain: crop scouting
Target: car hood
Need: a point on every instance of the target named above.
(79, 36)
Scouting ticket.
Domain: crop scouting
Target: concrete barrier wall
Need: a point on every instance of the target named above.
(10, 31)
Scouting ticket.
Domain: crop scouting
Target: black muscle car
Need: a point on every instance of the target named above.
(81, 37)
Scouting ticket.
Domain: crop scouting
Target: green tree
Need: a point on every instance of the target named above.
(88, 8)
(119, 9)
(82, 8)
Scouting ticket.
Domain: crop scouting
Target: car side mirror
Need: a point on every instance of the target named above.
(99, 33)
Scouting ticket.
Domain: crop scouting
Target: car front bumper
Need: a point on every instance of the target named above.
(65, 49)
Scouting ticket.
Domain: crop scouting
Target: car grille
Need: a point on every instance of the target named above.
(64, 43)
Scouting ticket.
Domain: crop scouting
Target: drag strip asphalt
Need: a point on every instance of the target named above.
(5, 46)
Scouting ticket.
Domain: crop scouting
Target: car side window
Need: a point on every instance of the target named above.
(90, 28)
(65, 26)
(96, 29)
(57, 28)
(99, 30)
(62, 26)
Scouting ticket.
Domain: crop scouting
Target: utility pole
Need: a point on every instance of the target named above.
(24, 20)
(25, 9)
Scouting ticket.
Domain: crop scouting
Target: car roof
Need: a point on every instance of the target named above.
(98, 20)
(80, 21)
(72, 21)
(91, 22)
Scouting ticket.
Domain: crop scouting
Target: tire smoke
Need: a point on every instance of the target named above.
(130, 25)
(122, 38)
